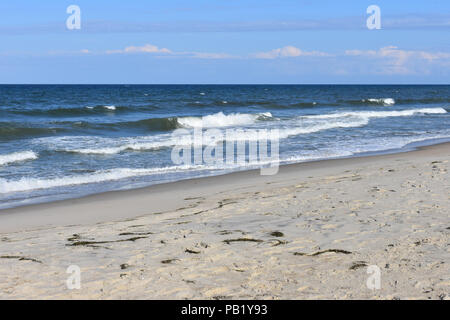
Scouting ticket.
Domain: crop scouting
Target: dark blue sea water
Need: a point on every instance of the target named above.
(63, 141)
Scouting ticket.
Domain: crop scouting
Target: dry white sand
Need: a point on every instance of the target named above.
(308, 232)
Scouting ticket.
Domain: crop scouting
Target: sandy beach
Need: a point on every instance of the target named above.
(309, 232)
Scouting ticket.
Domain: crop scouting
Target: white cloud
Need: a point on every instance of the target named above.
(148, 48)
(395, 52)
(397, 61)
(206, 55)
(386, 60)
(289, 51)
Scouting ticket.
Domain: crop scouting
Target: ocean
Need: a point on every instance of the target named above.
(67, 141)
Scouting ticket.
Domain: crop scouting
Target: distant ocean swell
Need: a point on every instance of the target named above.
(151, 106)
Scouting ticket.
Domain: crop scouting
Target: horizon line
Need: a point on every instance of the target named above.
(224, 84)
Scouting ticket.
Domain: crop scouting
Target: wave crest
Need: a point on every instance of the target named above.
(379, 114)
(17, 157)
(221, 120)
(27, 184)
(385, 101)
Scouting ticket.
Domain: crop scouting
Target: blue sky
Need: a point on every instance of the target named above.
(224, 41)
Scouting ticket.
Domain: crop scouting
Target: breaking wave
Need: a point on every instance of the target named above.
(221, 120)
(379, 114)
(17, 157)
(384, 101)
(300, 126)
(27, 184)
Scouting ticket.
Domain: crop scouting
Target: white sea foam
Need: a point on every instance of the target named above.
(222, 120)
(105, 151)
(167, 140)
(322, 127)
(352, 148)
(379, 114)
(137, 146)
(316, 156)
(110, 107)
(385, 101)
(388, 143)
(27, 184)
(109, 146)
(17, 157)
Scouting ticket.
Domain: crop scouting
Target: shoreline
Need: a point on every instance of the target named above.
(406, 148)
(27, 216)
